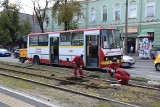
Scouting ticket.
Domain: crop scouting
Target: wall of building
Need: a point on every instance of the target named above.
(135, 25)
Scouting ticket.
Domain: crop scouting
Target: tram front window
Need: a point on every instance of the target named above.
(109, 39)
(117, 38)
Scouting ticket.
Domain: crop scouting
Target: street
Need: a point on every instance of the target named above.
(143, 69)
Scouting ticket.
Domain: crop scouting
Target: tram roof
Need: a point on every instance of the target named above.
(76, 30)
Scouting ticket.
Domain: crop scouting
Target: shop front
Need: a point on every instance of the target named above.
(132, 38)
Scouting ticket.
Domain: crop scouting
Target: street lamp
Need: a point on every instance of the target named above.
(126, 28)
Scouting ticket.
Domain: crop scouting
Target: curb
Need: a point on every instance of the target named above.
(139, 60)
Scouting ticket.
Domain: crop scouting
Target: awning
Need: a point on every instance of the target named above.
(144, 32)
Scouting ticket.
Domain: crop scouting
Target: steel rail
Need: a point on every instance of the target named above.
(55, 78)
(69, 90)
(102, 79)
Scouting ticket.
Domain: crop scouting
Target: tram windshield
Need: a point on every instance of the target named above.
(110, 38)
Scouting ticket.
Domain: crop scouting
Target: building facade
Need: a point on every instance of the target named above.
(143, 20)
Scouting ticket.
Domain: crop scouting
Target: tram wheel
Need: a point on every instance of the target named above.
(36, 61)
(22, 60)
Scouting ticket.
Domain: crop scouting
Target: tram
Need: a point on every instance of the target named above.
(98, 45)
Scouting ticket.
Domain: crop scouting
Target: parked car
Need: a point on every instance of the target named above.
(5, 52)
(157, 63)
(155, 53)
(16, 53)
(127, 61)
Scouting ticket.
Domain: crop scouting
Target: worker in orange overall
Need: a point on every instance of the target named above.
(78, 64)
(121, 75)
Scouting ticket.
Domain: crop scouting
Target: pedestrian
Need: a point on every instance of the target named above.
(113, 66)
(122, 76)
(78, 64)
(131, 49)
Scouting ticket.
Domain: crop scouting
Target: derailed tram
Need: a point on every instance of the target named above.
(98, 45)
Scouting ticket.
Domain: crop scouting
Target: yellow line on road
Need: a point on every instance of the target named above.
(13, 102)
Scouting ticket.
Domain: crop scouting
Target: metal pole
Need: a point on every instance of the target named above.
(126, 29)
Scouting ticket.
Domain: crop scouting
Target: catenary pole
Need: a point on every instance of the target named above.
(126, 30)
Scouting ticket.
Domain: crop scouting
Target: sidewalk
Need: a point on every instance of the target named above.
(136, 57)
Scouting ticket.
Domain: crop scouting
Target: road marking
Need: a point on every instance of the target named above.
(13, 102)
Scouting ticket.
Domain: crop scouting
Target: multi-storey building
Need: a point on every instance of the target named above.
(31, 18)
(143, 20)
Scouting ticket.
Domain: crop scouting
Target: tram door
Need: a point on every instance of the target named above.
(92, 59)
(54, 50)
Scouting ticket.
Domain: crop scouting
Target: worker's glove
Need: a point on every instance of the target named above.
(112, 71)
(119, 80)
(80, 69)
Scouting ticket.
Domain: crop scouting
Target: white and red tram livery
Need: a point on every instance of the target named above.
(98, 45)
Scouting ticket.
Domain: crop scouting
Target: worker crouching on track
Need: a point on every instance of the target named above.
(78, 64)
(113, 66)
(121, 75)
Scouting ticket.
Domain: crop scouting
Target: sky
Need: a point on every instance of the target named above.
(27, 6)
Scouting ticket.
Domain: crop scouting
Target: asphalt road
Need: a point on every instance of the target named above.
(143, 69)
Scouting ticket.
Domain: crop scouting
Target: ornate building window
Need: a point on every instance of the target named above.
(104, 13)
(117, 12)
(80, 17)
(133, 9)
(150, 8)
(93, 15)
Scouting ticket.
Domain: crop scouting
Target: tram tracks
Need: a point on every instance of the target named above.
(86, 76)
(64, 80)
(65, 89)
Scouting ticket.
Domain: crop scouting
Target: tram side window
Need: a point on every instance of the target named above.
(77, 39)
(65, 39)
(43, 40)
(33, 40)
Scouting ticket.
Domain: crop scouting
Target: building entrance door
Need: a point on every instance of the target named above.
(131, 42)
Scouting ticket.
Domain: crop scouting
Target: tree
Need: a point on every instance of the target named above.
(12, 29)
(64, 11)
(9, 21)
(40, 12)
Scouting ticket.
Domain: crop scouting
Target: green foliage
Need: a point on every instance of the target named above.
(4, 37)
(64, 12)
(73, 25)
(140, 79)
(11, 28)
(9, 21)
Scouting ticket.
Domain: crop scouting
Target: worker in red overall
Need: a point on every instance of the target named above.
(113, 66)
(78, 65)
(121, 75)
